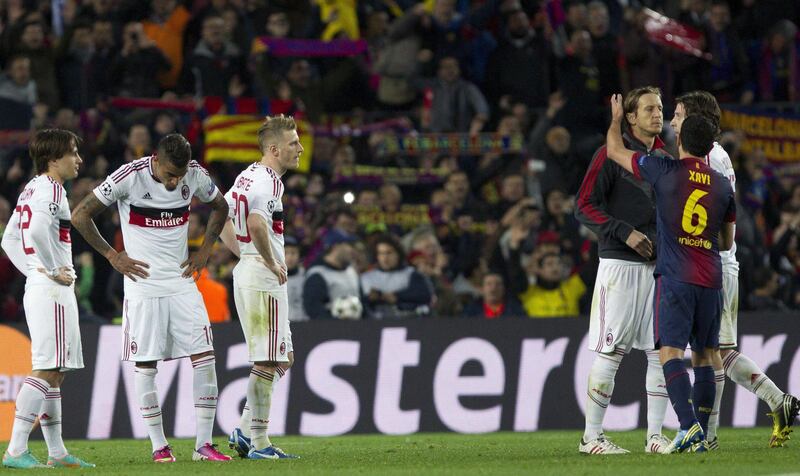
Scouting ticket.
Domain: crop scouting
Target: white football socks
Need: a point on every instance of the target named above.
(601, 386)
(259, 398)
(50, 419)
(29, 401)
(657, 396)
(713, 420)
(205, 391)
(745, 372)
(145, 385)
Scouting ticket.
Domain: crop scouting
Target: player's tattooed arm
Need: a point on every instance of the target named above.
(83, 220)
(197, 260)
(615, 147)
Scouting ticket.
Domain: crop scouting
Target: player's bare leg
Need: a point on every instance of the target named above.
(599, 391)
(785, 408)
(205, 392)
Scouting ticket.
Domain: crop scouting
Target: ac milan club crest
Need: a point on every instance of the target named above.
(283, 348)
(185, 192)
(134, 347)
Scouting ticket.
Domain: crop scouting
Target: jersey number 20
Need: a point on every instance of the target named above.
(693, 209)
(241, 210)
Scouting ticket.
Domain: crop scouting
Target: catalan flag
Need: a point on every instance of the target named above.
(234, 138)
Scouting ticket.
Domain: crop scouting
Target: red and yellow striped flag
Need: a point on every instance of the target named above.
(234, 138)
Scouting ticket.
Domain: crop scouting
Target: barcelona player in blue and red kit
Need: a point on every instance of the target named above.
(695, 218)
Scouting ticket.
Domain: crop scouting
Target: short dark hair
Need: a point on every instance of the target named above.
(175, 149)
(49, 145)
(697, 135)
(701, 103)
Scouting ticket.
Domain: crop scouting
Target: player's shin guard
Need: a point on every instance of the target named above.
(144, 380)
(29, 401)
(657, 397)
(601, 386)
(679, 390)
(703, 393)
(259, 397)
(204, 389)
(713, 421)
(746, 373)
(50, 419)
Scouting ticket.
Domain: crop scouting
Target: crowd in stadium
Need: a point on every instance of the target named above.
(486, 235)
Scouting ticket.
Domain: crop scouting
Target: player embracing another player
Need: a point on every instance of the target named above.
(163, 312)
(696, 215)
(738, 367)
(254, 233)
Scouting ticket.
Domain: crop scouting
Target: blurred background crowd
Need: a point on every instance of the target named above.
(431, 233)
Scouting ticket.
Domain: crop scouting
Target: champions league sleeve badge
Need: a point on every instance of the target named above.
(105, 189)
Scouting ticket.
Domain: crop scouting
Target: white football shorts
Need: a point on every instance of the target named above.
(264, 316)
(163, 328)
(52, 315)
(622, 307)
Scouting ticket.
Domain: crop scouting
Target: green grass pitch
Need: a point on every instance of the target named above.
(545, 452)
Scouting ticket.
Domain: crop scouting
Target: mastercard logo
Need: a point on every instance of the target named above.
(15, 366)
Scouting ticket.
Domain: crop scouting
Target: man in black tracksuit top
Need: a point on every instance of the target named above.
(621, 211)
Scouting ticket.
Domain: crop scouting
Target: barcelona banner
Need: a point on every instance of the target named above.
(235, 138)
(778, 135)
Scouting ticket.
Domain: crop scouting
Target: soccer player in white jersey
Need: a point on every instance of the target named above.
(37, 240)
(254, 232)
(738, 367)
(163, 312)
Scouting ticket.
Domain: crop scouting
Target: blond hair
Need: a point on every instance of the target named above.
(271, 129)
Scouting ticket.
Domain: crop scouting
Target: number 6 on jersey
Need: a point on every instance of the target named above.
(692, 209)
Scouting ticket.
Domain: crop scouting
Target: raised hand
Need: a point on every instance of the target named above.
(128, 266)
(616, 107)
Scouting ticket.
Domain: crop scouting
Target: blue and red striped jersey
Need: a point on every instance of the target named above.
(692, 203)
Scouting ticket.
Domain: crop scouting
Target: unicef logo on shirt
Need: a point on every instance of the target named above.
(185, 192)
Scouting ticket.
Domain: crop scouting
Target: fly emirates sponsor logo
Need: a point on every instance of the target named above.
(166, 221)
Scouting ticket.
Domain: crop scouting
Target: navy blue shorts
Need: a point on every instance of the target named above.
(686, 314)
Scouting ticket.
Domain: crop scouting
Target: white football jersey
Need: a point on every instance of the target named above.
(718, 160)
(38, 233)
(155, 223)
(257, 189)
